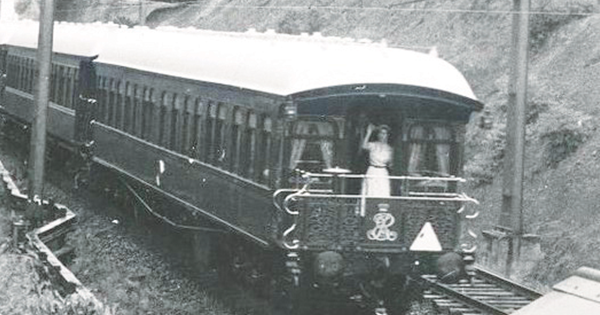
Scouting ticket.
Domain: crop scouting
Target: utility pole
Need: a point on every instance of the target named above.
(142, 13)
(41, 98)
(510, 226)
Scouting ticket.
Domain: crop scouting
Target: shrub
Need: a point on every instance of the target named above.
(483, 166)
(21, 6)
(542, 25)
(562, 131)
(28, 291)
(295, 22)
(125, 21)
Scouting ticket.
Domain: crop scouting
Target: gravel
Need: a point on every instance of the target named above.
(119, 262)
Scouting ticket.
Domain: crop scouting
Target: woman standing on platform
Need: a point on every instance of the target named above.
(377, 182)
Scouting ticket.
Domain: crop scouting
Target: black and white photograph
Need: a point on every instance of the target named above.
(299, 157)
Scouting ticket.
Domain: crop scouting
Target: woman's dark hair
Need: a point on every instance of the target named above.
(386, 127)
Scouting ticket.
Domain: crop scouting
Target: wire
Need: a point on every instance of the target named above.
(390, 8)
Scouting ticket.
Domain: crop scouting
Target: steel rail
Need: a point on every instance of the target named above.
(506, 283)
(463, 299)
(487, 293)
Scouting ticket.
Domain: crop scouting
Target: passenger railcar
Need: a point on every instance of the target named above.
(260, 134)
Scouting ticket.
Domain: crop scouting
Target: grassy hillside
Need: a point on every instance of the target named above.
(563, 143)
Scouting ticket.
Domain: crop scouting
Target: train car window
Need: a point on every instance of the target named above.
(127, 104)
(60, 92)
(20, 73)
(198, 133)
(236, 140)
(264, 151)
(311, 146)
(14, 72)
(29, 68)
(248, 149)
(168, 121)
(19, 77)
(34, 73)
(17, 72)
(137, 93)
(28, 75)
(64, 86)
(74, 96)
(25, 74)
(32, 76)
(176, 123)
(220, 153)
(3, 61)
(55, 83)
(429, 150)
(118, 105)
(185, 126)
(210, 132)
(106, 100)
(147, 110)
(111, 103)
(155, 119)
(138, 96)
(68, 87)
(162, 138)
(10, 71)
(52, 83)
(100, 116)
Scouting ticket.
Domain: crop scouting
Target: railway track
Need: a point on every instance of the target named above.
(485, 294)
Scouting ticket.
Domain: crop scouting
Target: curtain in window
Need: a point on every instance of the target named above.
(320, 129)
(415, 148)
(442, 150)
(298, 145)
(326, 145)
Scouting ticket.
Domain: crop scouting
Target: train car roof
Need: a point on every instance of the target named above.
(267, 62)
(578, 294)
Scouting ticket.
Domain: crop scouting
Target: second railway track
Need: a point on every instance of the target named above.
(485, 294)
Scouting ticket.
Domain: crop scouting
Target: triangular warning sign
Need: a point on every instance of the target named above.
(426, 240)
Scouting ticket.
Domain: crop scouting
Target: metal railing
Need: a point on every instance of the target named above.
(332, 186)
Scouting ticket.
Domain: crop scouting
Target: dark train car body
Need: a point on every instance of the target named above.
(261, 135)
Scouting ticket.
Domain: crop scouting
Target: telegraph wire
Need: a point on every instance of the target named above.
(391, 8)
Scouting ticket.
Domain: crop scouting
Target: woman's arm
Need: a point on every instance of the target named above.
(365, 143)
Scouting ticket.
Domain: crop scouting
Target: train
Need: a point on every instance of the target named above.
(258, 138)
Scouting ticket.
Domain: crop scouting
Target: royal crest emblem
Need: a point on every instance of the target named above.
(383, 221)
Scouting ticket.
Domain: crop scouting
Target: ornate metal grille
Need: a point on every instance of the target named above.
(333, 222)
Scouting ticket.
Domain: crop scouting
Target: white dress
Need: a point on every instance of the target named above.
(377, 182)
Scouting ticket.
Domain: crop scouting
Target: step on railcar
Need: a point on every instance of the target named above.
(261, 135)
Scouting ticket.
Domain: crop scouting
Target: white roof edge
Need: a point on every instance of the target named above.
(268, 62)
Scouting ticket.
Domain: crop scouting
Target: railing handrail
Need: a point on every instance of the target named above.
(450, 178)
(430, 197)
